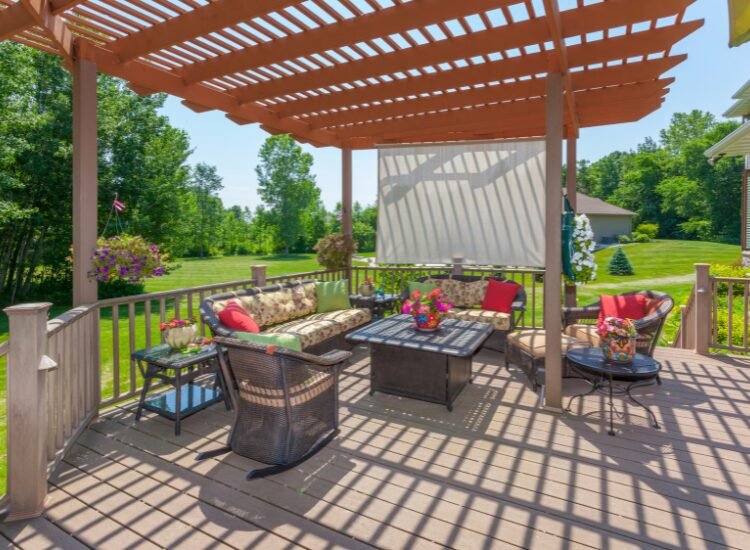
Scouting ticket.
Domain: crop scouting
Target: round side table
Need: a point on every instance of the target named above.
(604, 375)
(379, 305)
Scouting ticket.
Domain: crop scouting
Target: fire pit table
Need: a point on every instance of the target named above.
(431, 366)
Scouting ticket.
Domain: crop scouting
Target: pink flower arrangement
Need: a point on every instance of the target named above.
(616, 327)
(426, 309)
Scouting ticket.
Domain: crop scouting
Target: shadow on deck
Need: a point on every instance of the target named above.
(496, 472)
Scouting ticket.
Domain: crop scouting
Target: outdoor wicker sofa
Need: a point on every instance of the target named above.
(289, 308)
(466, 292)
(285, 403)
(580, 322)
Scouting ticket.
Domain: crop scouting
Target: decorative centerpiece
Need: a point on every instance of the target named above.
(367, 288)
(617, 339)
(427, 310)
(179, 333)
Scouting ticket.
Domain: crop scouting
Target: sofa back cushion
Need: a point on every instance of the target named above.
(271, 307)
(500, 296)
(460, 293)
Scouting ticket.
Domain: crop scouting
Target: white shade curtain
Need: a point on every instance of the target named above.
(481, 202)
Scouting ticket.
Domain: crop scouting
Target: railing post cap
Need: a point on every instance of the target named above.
(702, 265)
(21, 309)
(259, 265)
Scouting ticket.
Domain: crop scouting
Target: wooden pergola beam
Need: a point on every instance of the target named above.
(552, 10)
(200, 21)
(15, 19)
(396, 19)
(478, 74)
(607, 15)
(526, 108)
(607, 76)
(54, 25)
(149, 77)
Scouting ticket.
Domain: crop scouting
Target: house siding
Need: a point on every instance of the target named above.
(607, 228)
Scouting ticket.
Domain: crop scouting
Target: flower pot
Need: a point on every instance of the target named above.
(180, 337)
(618, 350)
(430, 324)
(366, 290)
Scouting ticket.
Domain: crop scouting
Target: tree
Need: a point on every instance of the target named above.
(619, 264)
(685, 127)
(206, 183)
(286, 186)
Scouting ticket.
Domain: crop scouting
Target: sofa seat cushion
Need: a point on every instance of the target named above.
(534, 342)
(586, 333)
(459, 293)
(318, 327)
(498, 320)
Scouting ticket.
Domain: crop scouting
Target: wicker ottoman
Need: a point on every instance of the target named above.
(527, 349)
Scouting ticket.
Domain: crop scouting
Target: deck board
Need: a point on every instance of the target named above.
(497, 472)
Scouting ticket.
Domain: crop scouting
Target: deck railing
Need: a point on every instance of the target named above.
(730, 314)
(62, 371)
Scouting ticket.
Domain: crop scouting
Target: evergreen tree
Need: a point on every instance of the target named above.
(619, 263)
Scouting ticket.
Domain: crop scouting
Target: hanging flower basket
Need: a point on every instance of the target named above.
(127, 258)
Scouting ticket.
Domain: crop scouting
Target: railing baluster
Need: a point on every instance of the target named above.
(744, 316)
(177, 300)
(147, 321)
(66, 355)
(201, 324)
(131, 344)
(116, 351)
(51, 401)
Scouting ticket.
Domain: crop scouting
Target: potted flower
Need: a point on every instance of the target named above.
(179, 333)
(427, 310)
(367, 288)
(617, 339)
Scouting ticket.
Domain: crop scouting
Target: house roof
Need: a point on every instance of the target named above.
(741, 107)
(735, 144)
(593, 206)
(359, 73)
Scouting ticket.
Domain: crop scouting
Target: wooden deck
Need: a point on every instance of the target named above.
(497, 472)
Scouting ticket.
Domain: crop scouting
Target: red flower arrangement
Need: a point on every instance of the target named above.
(177, 323)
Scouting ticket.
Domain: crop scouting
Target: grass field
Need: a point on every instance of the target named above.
(662, 265)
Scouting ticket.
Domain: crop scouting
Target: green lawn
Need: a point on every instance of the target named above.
(661, 265)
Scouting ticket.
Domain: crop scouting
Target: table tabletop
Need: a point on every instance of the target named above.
(456, 338)
(593, 359)
(170, 358)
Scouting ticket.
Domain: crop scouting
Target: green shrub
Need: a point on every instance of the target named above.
(648, 229)
(641, 238)
(624, 239)
(619, 263)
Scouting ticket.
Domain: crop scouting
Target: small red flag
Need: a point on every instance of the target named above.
(119, 206)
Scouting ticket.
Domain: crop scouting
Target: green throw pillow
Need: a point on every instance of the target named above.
(332, 295)
(280, 339)
(424, 288)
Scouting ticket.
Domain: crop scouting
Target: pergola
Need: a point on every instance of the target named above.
(356, 74)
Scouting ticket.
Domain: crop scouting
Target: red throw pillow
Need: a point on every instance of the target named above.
(632, 306)
(236, 318)
(499, 296)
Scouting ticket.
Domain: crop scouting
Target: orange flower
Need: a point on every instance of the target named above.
(416, 295)
(434, 294)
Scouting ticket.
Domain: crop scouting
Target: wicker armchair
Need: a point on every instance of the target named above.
(579, 321)
(285, 403)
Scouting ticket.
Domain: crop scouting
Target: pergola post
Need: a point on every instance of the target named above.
(571, 182)
(84, 180)
(553, 240)
(346, 202)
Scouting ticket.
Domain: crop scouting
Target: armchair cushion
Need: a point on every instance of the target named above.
(235, 317)
(584, 333)
(499, 296)
(534, 342)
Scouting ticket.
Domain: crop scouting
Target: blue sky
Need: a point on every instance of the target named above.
(707, 80)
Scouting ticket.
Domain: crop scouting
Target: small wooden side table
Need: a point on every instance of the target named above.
(180, 370)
